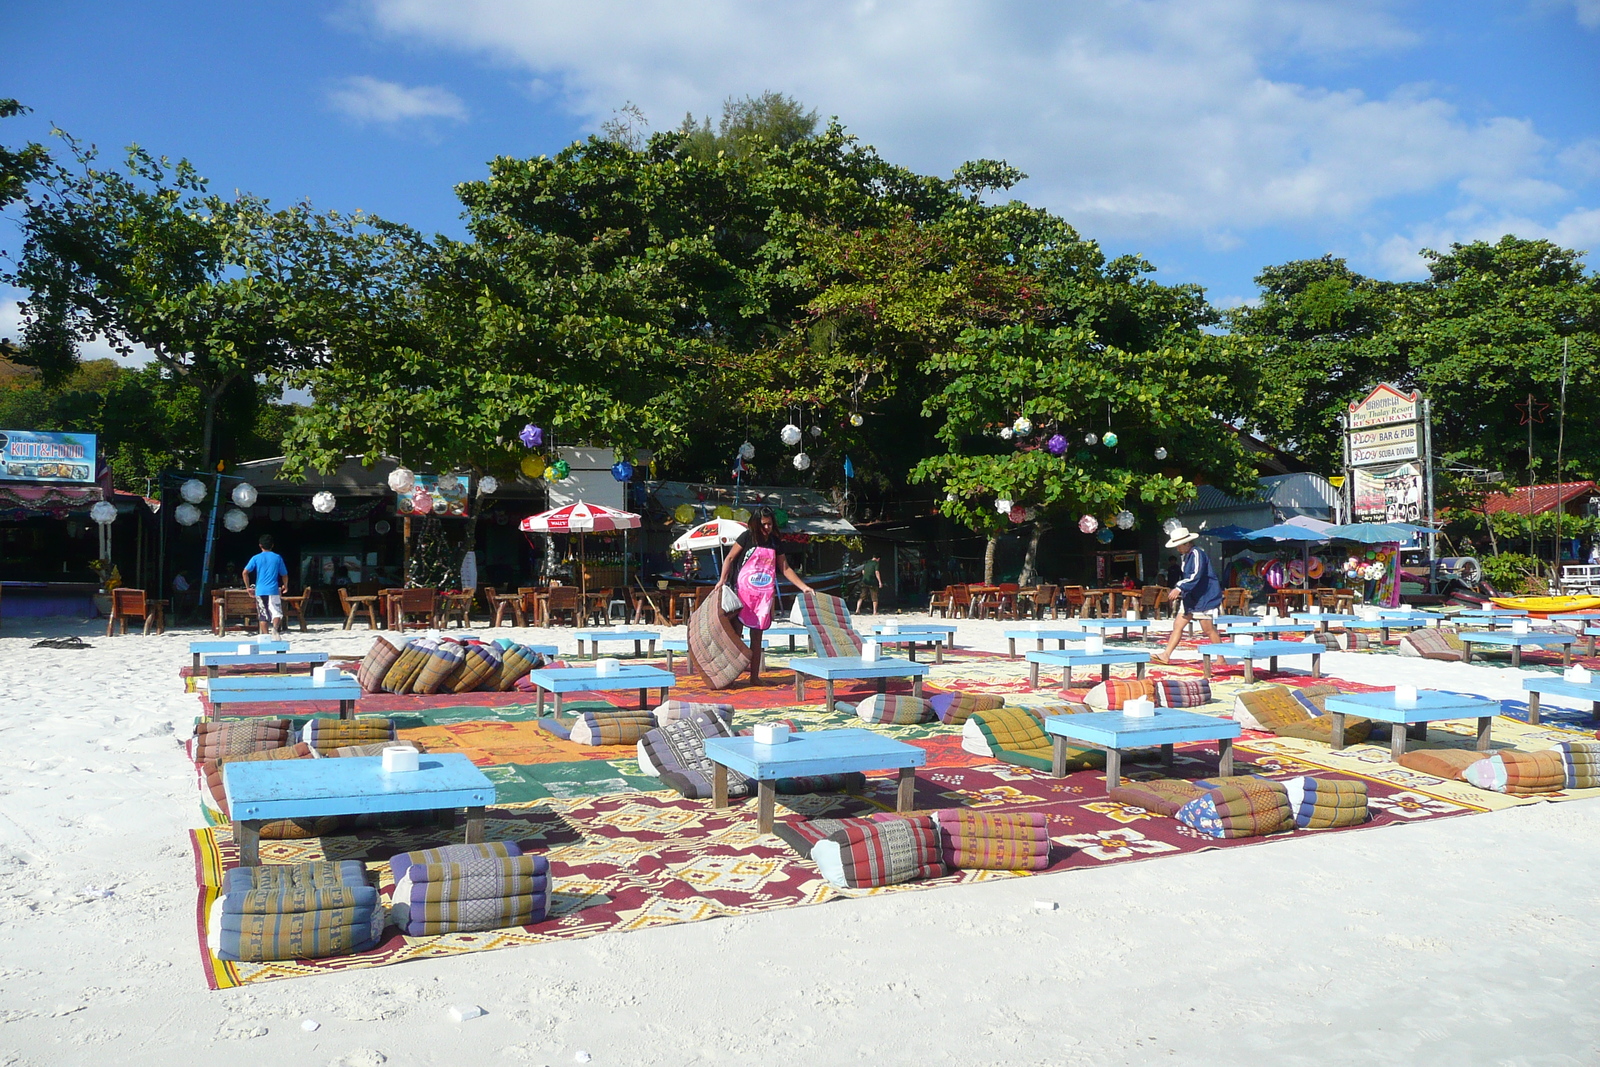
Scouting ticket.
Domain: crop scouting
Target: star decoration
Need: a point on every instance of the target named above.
(1532, 410)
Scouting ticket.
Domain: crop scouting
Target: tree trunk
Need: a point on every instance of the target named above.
(988, 558)
(1030, 561)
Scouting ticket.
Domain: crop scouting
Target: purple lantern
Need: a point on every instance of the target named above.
(1057, 445)
(531, 436)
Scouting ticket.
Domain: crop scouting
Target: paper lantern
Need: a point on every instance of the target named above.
(683, 513)
(1170, 525)
(1124, 520)
(193, 490)
(790, 434)
(816, 431)
(802, 461)
(1109, 440)
(1161, 453)
(856, 420)
(550, 474)
(1057, 445)
(1007, 433)
(323, 502)
(235, 520)
(488, 485)
(531, 436)
(1003, 505)
(244, 494)
(104, 512)
(723, 511)
(1023, 426)
(1088, 524)
(421, 502)
(780, 517)
(532, 466)
(1104, 536)
(562, 469)
(402, 480)
(622, 471)
(1017, 513)
(186, 514)
(747, 451)
(741, 515)
(1091, 439)
(448, 483)
(1030, 514)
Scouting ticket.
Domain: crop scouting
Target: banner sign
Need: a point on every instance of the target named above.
(37, 456)
(1392, 495)
(1385, 406)
(1386, 445)
(426, 498)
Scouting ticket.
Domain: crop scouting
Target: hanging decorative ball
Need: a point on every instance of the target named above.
(1104, 536)
(402, 480)
(1007, 433)
(235, 520)
(562, 469)
(1088, 524)
(816, 431)
(155, 506)
(683, 513)
(531, 436)
(244, 494)
(1030, 514)
(1003, 505)
(186, 514)
(1170, 525)
(741, 515)
(780, 517)
(1110, 439)
(381, 526)
(856, 420)
(104, 512)
(323, 502)
(549, 474)
(1017, 513)
(747, 451)
(193, 490)
(1124, 520)
(1091, 439)
(722, 511)
(1161, 453)
(790, 434)
(801, 461)
(448, 483)
(622, 471)
(421, 502)
(1057, 445)
(1023, 426)
(950, 498)
(532, 466)
(488, 485)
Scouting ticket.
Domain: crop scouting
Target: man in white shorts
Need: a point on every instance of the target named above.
(270, 575)
(1198, 592)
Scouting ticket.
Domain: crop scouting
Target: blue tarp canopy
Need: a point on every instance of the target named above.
(1373, 533)
(1286, 532)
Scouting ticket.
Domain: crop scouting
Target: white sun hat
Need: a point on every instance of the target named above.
(1181, 535)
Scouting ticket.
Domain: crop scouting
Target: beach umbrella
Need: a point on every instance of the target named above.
(1228, 533)
(1373, 533)
(714, 534)
(581, 518)
(1288, 531)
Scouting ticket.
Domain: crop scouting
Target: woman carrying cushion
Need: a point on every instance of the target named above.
(754, 562)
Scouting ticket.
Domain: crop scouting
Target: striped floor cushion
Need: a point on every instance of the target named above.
(294, 911)
(1016, 736)
(375, 666)
(610, 727)
(406, 667)
(374, 749)
(1446, 763)
(893, 709)
(1433, 643)
(1323, 803)
(215, 740)
(827, 621)
(515, 663)
(474, 893)
(1182, 692)
(1110, 695)
(954, 709)
(992, 841)
(675, 752)
(439, 669)
(873, 853)
(1581, 762)
(719, 653)
(683, 709)
(480, 666)
(1242, 809)
(1519, 773)
(1164, 796)
(401, 863)
(1267, 707)
(326, 735)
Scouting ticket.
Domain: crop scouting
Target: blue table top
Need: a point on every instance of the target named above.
(1263, 649)
(1327, 616)
(787, 631)
(1392, 622)
(829, 668)
(917, 628)
(1054, 633)
(1243, 619)
(1543, 683)
(1431, 704)
(616, 635)
(1273, 628)
(281, 688)
(1575, 616)
(1066, 657)
(1509, 612)
(198, 647)
(675, 644)
(1506, 637)
(1113, 624)
(1113, 729)
(814, 752)
(585, 679)
(234, 659)
(352, 785)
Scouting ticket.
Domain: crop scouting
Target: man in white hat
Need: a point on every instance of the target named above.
(1198, 592)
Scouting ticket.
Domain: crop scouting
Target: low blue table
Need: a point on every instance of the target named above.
(1385, 623)
(830, 669)
(935, 635)
(1067, 660)
(1591, 632)
(1271, 628)
(563, 680)
(1114, 731)
(812, 752)
(200, 648)
(265, 790)
(283, 689)
(1534, 685)
(1431, 706)
(638, 637)
(1114, 624)
(791, 632)
(1324, 619)
(1515, 643)
(1059, 634)
(211, 661)
(1267, 650)
(673, 645)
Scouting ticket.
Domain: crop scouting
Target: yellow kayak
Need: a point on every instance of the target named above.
(1548, 605)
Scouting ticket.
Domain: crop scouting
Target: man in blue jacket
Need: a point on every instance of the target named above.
(1198, 592)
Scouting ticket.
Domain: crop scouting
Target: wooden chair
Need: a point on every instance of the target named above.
(1036, 603)
(1075, 597)
(639, 603)
(422, 605)
(236, 604)
(1000, 604)
(296, 606)
(498, 604)
(939, 600)
(126, 603)
(456, 606)
(960, 600)
(1235, 601)
(563, 600)
(352, 604)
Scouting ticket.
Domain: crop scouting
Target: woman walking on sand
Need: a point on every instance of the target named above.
(754, 562)
(1198, 592)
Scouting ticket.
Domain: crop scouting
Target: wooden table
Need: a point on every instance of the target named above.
(1070, 659)
(830, 669)
(1516, 641)
(213, 661)
(1115, 731)
(1431, 706)
(1534, 686)
(264, 790)
(200, 648)
(283, 689)
(1059, 634)
(638, 637)
(812, 752)
(563, 680)
(1267, 650)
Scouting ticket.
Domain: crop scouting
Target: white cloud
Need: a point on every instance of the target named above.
(368, 99)
(1588, 12)
(1399, 256)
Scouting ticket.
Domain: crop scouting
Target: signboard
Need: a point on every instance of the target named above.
(1385, 406)
(426, 498)
(37, 456)
(1388, 444)
(589, 480)
(1393, 495)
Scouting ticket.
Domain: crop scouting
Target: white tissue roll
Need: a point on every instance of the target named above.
(1244, 639)
(398, 760)
(771, 733)
(247, 649)
(1094, 645)
(607, 666)
(1405, 695)
(869, 651)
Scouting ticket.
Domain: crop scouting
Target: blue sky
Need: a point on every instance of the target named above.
(1212, 136)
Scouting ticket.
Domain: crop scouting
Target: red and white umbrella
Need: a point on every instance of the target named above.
(581, 518)
(717, 533)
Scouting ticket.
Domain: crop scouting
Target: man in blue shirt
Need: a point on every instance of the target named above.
(270, 576)
(1198, 592)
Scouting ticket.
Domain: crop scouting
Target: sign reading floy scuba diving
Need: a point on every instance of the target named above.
(38, 456)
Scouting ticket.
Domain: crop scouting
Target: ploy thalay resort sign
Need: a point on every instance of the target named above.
(1385, 427)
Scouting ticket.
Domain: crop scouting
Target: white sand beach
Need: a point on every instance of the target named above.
(1472, 940)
